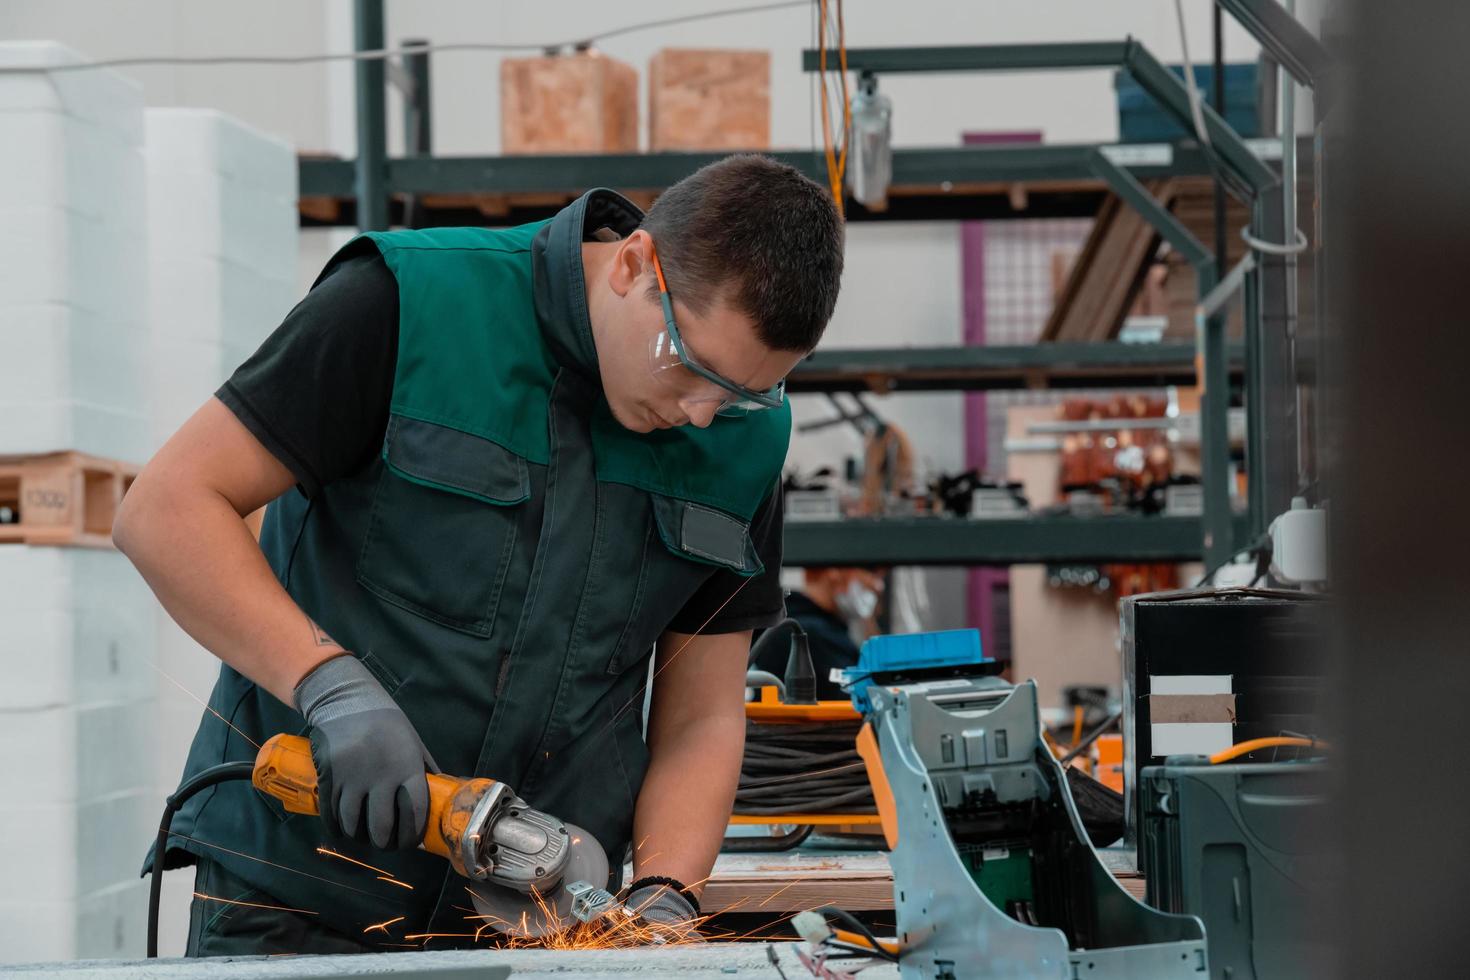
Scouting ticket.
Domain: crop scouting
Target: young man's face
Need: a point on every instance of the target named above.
(646, 384)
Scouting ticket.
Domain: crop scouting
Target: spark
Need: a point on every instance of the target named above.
(204, 703)
(328, 852)
(254, 905)
(440, 935)
(383, 926)
(395, 881)
(283, 867)
(637, 697)
(642, 842)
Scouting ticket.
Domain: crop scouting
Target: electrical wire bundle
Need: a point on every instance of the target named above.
(803, 769)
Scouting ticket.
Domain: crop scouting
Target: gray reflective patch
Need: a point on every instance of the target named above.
(713, 535)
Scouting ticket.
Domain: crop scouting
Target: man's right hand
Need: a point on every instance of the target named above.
(370, 762)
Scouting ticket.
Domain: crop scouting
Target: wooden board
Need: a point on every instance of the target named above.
(794, 881)
(64, 498)
(1108, 272)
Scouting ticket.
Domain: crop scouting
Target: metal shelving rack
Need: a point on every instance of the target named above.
(950, 183)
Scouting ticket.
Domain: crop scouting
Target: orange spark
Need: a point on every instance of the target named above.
(642, 842)
(383, 926)
(254, 905)
(328, 852)
(772, 897)
(395, 881)
(283, 867)
(205, 704)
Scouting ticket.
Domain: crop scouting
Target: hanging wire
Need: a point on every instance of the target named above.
(379, 54)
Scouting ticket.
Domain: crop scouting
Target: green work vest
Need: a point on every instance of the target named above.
(503, 567)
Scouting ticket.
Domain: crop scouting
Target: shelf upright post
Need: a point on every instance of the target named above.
(371, 167)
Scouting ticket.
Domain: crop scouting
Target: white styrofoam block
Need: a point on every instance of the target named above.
(57, 351)
(80, 629)
(55, 160)
(113, 923)
(99, 96)
(206, 214)
(62, 755)
(208, 298)
(184, 660)
(208, 141)
(51, 255)
(113, 834)
(64, 423)
(33, 931)
(184, 374)
(65, 851)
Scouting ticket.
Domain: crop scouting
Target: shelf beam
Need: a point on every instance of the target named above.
(1000, 368)
(1018, 541)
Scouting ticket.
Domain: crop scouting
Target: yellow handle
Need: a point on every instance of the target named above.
(284, 769)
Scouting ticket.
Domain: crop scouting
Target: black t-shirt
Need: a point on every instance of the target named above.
(316, 395)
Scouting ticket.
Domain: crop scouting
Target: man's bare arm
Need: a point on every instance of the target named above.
(696, 739)
(182, 524)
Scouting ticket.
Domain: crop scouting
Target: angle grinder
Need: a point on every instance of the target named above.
(532, 874)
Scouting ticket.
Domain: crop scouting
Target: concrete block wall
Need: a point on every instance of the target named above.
(73, 285)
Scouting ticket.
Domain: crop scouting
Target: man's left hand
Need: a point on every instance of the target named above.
(666, 912)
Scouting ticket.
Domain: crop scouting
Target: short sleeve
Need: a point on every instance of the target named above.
(316, 394)
(728, 603)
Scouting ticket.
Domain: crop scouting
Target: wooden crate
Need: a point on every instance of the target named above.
(579, 103)
(62, 498)
(709, 99)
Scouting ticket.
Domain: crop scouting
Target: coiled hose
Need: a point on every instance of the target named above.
(803, 769)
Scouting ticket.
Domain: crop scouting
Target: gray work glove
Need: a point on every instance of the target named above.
(370, 763)
(666, 912)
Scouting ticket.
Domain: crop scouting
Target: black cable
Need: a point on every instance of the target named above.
(857, 926)
(752, 845)
(1258, 544)
(1091, 737)
(212, 776)
(769, 637)
(811, 768)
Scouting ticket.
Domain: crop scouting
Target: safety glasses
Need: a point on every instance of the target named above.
(668, 355)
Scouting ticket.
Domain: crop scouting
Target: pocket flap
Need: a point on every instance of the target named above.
(706, 535)
(458, 462)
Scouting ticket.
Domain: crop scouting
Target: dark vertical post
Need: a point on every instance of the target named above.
(1397, 197)
(1215, 407)
(370, 175)
(417, 116)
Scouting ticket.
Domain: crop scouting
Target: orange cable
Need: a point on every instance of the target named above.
(1245, 748)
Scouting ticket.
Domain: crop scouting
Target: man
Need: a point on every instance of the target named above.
(835, 608)
(523, 458)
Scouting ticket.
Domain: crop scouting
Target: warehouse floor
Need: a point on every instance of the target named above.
(714, 960)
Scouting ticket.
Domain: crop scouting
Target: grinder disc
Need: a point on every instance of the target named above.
(532, 916)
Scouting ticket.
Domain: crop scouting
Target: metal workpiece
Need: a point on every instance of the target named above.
(717, 961)
(993, 873)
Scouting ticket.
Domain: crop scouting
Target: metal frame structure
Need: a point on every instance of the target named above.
(1234, 165)
(953, 183)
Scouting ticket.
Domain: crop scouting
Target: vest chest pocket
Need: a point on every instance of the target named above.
(443, 525)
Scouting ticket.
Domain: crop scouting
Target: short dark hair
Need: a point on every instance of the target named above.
(759, 234)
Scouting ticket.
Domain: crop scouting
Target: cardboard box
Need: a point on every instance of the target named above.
(709, 99)
(581, 103)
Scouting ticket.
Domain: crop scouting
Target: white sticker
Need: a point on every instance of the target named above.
(1191, 738)
(1189, 683)
(1139, 154)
